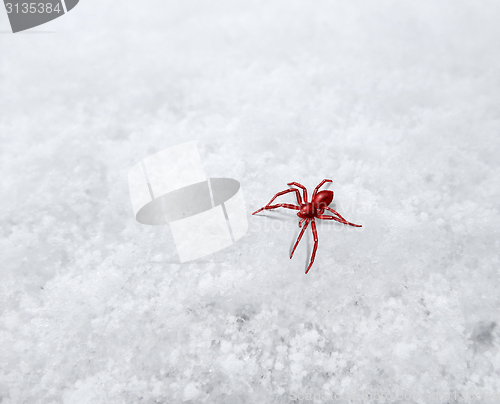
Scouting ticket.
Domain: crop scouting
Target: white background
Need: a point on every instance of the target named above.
(397, 101)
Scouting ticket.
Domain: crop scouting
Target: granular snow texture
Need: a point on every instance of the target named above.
(396, 101)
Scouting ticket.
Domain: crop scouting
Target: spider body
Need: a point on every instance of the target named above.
(309, 211)
(317, 206)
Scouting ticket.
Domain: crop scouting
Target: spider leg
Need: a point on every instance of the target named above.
(319, 186)
(304, 189)
(300, 236)
(297, 193)
(279, 194)
(279, 205)
(302, 221)
(343, 220)
(328, 217)
(315, 236)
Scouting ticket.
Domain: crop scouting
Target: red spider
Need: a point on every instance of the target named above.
(308, 211)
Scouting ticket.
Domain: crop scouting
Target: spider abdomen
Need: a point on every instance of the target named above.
(323, 199)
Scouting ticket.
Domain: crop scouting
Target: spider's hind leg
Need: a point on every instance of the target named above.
(319, 186)
(342, 220)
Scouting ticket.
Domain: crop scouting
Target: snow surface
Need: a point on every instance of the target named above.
(396, 101)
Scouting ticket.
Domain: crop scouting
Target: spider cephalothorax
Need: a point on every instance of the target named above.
(309, 211)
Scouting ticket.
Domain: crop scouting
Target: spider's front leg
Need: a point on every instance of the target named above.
(315, 236)
(300, 236)
(282, 205)
(279, 205)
